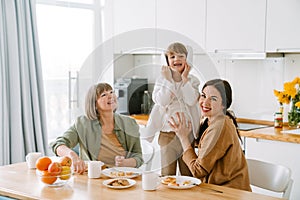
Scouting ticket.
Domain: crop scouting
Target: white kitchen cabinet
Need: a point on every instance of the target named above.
(283, 27)
(133, 14)
(131, 21)
(182, 17)
(283, 153)
(236, 26)
(142, 24)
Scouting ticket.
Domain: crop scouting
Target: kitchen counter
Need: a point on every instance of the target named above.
(267, 133)
(141, 119)
(272, 133)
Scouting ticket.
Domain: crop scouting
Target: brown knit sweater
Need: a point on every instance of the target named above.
(220, 159)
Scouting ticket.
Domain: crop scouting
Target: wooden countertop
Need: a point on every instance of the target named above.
(19, 182)
(269, 133)
(272, 133)
(141, 119)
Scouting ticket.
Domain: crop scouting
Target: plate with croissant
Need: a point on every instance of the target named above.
(119, 183)
(180, 182)
(122, 172)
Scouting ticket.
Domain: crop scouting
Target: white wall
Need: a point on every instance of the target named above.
(252, 81)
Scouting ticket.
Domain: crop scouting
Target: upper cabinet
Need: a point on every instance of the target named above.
(132, 15)
(235, 26)
(130, 20)
(283, 27)
(186, 18)
(144, 24)
(231, 26)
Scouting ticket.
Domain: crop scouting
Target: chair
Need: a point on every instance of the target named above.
(269, 176)
(148, 154)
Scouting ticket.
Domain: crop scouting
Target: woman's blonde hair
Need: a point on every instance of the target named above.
(91, 99)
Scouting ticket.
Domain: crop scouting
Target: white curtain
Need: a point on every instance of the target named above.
(22, 107)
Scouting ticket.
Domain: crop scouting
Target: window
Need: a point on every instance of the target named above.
(66, 32)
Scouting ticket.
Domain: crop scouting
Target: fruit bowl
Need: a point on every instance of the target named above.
(54, 179)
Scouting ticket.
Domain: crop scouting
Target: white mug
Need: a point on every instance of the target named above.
(94, 169)
(150, 180)
(31, 159)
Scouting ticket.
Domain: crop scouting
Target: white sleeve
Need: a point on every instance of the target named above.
(163, 92)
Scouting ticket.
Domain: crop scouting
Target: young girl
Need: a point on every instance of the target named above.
(176, 90)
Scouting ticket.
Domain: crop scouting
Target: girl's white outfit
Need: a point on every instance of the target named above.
(170, 98)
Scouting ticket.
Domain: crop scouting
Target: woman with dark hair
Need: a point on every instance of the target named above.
(220, 158)
(101, 133)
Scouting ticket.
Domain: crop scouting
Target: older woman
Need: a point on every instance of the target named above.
(101, 134)
(220, 159)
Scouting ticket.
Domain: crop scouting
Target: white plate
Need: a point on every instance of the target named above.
(109, 172)
(131, 183)
(180, 180)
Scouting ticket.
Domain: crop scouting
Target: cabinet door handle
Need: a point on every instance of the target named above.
(288, 50)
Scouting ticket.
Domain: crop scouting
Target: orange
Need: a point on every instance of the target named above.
(48, 178)
(65, 161)
(43, 163)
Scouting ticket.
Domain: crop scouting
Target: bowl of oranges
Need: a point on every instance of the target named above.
(54, 173)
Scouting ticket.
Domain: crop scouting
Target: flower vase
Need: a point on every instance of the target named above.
(286, 108)
(293, 115)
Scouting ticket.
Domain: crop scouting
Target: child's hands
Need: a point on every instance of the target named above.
(185, 73)
(166, 73)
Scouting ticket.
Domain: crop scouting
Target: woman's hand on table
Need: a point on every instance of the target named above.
(121, 161)
(78, 164)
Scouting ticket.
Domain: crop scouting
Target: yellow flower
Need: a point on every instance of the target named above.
(282, 97)
(291, 91)
(289, 88)
(297, 81)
